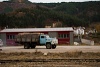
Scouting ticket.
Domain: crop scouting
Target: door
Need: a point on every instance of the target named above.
(42, 39)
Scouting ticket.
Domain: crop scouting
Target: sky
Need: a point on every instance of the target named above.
(55, 1)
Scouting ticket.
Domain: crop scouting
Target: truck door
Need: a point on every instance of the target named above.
(42, 39)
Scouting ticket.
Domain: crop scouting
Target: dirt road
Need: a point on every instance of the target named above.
(59, 49)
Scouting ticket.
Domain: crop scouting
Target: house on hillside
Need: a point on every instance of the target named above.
(64, 35)
(79, 31)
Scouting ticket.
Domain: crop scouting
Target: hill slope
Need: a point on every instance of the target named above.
(84, 10)
(15, 15)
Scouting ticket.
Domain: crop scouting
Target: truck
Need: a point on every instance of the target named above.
(31, 40)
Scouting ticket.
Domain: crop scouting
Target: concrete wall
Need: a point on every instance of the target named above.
(53, 34)
(89, 42)
(71, 38)
(3, 37)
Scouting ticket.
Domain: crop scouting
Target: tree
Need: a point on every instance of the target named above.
(97, 26)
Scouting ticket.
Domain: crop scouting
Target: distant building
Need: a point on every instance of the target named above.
(79, 31)
(92, 31)
(57, 24)
(64, 35)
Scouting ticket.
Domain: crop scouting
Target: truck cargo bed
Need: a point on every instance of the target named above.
(27, 37)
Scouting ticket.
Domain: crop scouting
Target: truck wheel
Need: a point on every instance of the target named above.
(53, 46)
(33, 46)
(26, 46)
(48, 46)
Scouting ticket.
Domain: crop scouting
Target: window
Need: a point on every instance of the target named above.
(42, 36)
(10, 36)
(68, 35)
(13, 36)
(63, 36)
(60, 36)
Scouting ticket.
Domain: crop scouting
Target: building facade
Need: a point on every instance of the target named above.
(64, 35)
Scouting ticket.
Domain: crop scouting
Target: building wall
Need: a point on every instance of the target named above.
(71, 38)
(10, 39)
(3, 37)
(53, 34)
(64, 37)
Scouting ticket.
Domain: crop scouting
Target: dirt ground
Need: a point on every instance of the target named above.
(59, 49)
(21, 56)
(40, 52)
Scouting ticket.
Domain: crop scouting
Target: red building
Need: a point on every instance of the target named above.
(64, 35)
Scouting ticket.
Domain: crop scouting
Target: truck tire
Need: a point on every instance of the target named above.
(48, 46)
(33, 46)
(53, 46)
(26, 46)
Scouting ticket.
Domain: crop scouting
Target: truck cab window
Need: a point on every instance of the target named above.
(42, 37)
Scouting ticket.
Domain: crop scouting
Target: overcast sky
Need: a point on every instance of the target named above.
(52, 1)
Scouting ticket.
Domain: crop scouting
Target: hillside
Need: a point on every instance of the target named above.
(26, 14)
(6, 7)
(84, 10)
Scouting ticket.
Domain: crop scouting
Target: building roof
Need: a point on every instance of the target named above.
(37, 29)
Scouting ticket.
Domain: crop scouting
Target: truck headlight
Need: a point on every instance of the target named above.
(54, 41)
